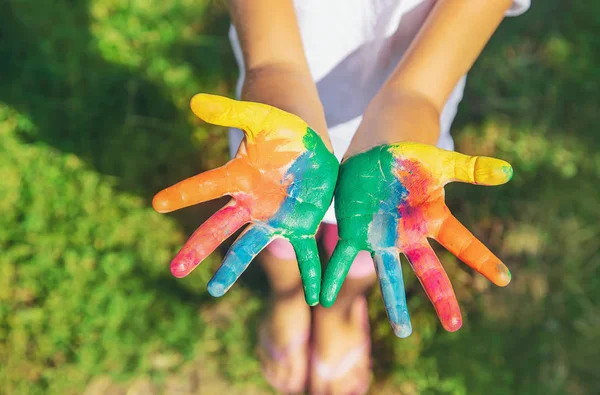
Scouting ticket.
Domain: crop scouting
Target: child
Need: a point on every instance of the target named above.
(361, 73)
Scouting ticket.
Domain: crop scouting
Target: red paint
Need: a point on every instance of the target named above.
(207, 238)
(436, 284)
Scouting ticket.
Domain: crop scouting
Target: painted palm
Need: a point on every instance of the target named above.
(389, 200)
(281, 181)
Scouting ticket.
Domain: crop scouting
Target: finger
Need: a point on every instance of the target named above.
(460, 242)
(451, 166)
(436, 284)
(251, 117)
(207, 238)
(206, 186)
(477, 169)
(336, 271)
(391, 282)
(236, 261)
(309, 264)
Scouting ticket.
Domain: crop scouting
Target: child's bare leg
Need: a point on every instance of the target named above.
(286, 327)
(340, 334)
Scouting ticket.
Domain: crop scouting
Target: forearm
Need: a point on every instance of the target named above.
(277, 71)
(395, 116)
(446, 47)
(287, 88)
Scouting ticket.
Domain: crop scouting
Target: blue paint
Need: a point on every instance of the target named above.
(289, 205)
(367, 208)
(383, 236)
(314, 174)
(391, 282)
(383, 232)
(238, 258)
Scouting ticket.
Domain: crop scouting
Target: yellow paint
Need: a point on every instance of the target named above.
(255, 119)
(448, 166)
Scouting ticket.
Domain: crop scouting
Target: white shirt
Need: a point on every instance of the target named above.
(352, 47)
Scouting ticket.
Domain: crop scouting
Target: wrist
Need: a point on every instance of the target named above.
(290, 89)
(397, 116)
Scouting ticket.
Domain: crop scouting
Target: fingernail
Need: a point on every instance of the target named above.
(491, 171)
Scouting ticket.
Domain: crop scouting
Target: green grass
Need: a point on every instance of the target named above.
(94, 120)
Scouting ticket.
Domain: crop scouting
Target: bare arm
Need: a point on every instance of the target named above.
(277, 71)
(408, 106)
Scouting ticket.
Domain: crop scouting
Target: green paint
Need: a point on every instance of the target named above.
(363, 184)
(508, 170)
(315, 173)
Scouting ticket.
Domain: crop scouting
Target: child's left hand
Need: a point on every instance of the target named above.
(390, 199)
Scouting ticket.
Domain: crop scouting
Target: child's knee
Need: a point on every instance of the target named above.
(282, 249)
(362, 266)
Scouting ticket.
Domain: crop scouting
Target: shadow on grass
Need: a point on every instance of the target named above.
(124, 125)
(111, 116)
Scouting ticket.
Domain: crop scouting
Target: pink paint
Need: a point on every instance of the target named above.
(414, 215)
(207, 238)
(436, 284)
(416, 179)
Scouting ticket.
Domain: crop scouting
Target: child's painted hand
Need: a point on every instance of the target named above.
(389, 200)
(282, 181)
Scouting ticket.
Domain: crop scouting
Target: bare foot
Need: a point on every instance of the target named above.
(284, 340)
(341, 347)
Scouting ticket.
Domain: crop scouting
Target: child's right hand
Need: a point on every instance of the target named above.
(282, 180)
(389, 200)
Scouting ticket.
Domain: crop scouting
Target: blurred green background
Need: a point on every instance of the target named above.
(94, 119)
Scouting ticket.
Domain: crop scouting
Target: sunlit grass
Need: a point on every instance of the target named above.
(94, 119)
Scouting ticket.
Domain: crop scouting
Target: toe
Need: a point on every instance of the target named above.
(297, 375)
(283, 344)
(351, 384)
(282, 376)
(345, 367)
(362, 382)
(317, 385)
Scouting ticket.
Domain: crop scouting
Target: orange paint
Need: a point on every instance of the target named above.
(281, 180)
(395, 208)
